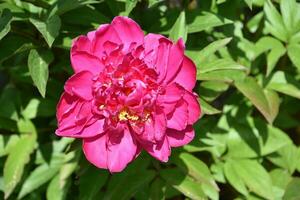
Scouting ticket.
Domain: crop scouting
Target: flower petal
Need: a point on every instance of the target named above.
(95, 150)
(160, 150)
(122, 149)
(82, 43)
(80, 84)
(188, 69)
(179, 138)
(155, 127)
(128, 30)
(179, 118)
(65, 105)
(175, 60)
(76, 131)
(103, 34)
(193, 107)
(84, 61)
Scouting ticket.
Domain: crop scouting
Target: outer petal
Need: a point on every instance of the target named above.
(176, 55)
(80, 84)
(151, 42)
(82, 43)
(96, 151)
(180, 138)
(179, 118)
(193, 107)
(84, 61)
(103, 34)
(85, 131)
(65, 105)
(186, 77)
(128, 30)
(160, 150)
(122, 149)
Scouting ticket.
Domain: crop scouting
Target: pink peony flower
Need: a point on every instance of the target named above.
(130, 92)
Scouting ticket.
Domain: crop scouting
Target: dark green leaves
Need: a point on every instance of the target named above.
(38, 62)
(5, 19)
(49, 28)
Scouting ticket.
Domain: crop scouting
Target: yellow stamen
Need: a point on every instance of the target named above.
(124, 115)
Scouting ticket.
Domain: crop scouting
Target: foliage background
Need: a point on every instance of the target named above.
(247, 142)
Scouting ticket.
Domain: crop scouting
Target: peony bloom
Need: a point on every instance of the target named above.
(130, 92)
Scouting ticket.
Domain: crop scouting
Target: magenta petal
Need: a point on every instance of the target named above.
(80, 84)
(160, 150)
(82, 43)
(173, 93)
(83, 61)
(155, 127)
(193, 107)
(95, 150)
(122, 149)
(188, 69)
(65, 105)
(128, 30)
(176, 55)
(82, 132)
(103, 34)
(179, 138)
(179, 118)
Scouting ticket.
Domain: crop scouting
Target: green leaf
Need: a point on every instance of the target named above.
(234, 179)
(274, 102)
(7, 143)
(208, 109)
(179, 29)
(292, 191)
(254, 176)
(253, 91)
(276, 48)
(290, 15)
(16, 161)
(280, 178)
(254, 22)
(274, 22)
(284, 83)
(210, 49)
(158, 189)
(206, 21)
(249, 3)
(62, 6)
(285, 157)
(48, 28)
(129, 6)
(5, 19)
(38, 177)
(38, 62)
(56, 190)
(210, 90)
(133, 182)
(220, 64)
(293, 52)
(199, 171)
(183, 183)
(227, 76)
(90, 182)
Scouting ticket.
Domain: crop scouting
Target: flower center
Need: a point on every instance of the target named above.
(124, 115)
